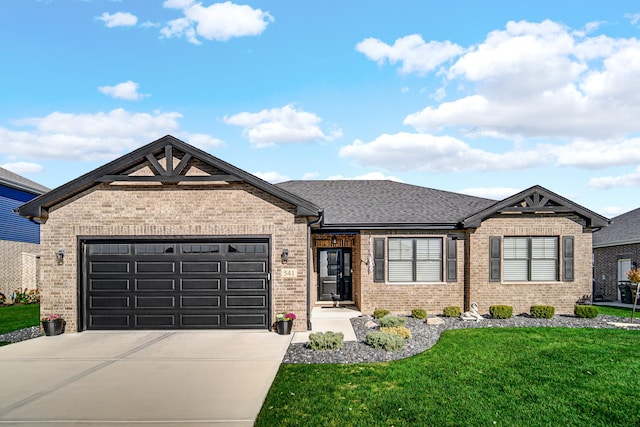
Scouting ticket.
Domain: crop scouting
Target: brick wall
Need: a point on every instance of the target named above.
(18, 266)
(562, 295)
(605, 262)
(208, 210)
(402, 298)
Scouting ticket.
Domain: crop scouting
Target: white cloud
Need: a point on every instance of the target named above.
(496, 193)
(415, 55)
(126, 90)
(634, 18)
(219, 21)
(612, 211)
(22, 167)
(595, 154)
(272, 177)
(626, 180)
(118, 19)
(284, 125)
(429, 153)
(310, 175)
(89, 137)
(371, 176)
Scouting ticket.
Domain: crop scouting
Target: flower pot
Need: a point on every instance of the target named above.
(284, 327)
(53, 327)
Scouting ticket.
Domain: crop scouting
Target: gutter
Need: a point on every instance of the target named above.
(309, 262)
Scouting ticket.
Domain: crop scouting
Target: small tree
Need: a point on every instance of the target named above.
(634, 277)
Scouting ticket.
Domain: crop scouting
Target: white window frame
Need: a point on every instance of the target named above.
(529, 258)
(417, 256)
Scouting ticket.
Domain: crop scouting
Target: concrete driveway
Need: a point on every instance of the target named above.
(162, 378)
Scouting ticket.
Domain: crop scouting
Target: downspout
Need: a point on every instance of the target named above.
(309, 263)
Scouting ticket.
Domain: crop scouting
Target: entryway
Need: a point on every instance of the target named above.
(335, 274)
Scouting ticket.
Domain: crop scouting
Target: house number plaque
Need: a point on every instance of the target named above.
(289, 272)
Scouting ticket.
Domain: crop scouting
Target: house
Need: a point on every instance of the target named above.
(19, 237)
(616, 250)
(169, 236)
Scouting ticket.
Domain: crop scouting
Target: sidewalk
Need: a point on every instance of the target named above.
(336, 319)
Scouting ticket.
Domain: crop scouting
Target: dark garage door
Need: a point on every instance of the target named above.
(175, 284)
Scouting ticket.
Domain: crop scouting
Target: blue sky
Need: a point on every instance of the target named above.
(484, 99)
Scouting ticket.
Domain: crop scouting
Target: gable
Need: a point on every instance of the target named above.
(165, 162)
(535, 200)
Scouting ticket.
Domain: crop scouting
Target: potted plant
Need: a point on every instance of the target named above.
(52, 324)
(284, 322)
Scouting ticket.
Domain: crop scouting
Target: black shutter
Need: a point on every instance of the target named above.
(452, 260)
(378, 256)
(494, 259)
(567, 259)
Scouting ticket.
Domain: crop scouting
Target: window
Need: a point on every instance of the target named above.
(415, 260)
(530, 259)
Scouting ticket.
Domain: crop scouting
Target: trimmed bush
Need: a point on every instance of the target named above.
(385, 341)
(326, 340)
(379, 313)
(542, 311)
(501, 311)
(586, 311)
(419, 313)
(452, 311)
(401, 331)
(393, 321)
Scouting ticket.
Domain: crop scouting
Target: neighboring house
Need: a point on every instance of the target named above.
(616, 250)
(169, 236)
(19, 237)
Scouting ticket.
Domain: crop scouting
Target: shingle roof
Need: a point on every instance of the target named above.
(624, 229)
(381, 202)
(14, 180)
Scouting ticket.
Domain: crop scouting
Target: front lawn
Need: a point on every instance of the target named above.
(15, 317)
(484, 377)
(618, 311)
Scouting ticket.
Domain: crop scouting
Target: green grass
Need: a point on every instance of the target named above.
(618, 311)
(484, 377)
(14, 317)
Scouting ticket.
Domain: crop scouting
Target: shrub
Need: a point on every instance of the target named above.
(501, 311)
(326, 340)
(393, 321)
(385, 341)
(586, 311)
(379, 313)
(26, 296)
(452, 311)
(542, 311)
(2, 298)
(401, 331)
(419, 313)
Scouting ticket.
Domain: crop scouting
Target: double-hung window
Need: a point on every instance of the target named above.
(530, 259)
(415, 260)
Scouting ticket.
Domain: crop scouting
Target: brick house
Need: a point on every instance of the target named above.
(616, 249)
(19, 237)
(169, 236)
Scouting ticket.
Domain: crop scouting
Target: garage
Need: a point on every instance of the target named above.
(175, 284)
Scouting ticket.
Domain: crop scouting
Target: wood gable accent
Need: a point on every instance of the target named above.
(166, 161)
(536, 199)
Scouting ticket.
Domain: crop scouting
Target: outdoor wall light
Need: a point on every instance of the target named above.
(284, 256)
(60, 256)
(334, 240)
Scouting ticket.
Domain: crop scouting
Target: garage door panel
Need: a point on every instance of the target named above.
(246, 267)
(200, 284)
(155, 267)
(107, 302)
(200, 320)
(176, 284)
(200, 302)
(247, 284)
(109, 267)
(200, 267)
(106, 285)
(155, 302)
(151, 285)
(246, 301)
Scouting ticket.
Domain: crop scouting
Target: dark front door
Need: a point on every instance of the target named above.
(334, 274)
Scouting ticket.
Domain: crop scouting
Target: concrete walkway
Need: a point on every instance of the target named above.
(161, 378)
(336, 319)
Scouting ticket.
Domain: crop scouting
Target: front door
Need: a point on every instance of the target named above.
(334, 274)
